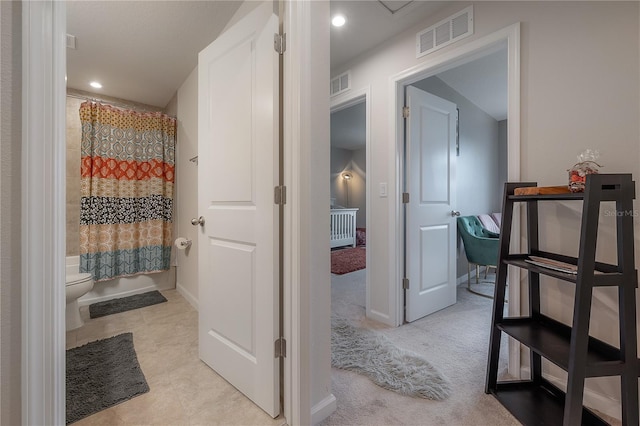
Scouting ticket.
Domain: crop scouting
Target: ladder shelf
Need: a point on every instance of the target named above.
(537, 401)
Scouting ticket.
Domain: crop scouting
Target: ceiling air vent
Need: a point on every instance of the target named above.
(340, 84)
(445, 32)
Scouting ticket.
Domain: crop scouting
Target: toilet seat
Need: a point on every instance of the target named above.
(80, 278)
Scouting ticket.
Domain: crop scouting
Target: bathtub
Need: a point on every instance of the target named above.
(121, 287)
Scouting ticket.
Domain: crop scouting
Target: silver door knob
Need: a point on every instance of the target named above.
(455, 213)
(198, 221)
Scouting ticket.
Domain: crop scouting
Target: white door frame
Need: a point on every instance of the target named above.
(509, 37)
(43, 212)
(340, 102)
(306, 253)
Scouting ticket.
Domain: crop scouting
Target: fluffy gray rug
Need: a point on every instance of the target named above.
(123, 304)
(372, 354)
(101, 374)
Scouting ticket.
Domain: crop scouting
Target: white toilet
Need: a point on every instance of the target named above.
(77, 285)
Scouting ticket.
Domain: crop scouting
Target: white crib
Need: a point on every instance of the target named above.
(343, 227)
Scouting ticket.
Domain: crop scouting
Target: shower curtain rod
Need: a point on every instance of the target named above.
(115, 103)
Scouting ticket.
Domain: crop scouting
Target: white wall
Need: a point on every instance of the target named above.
(478, 185)
(10, 209)
(358, 185)
(186, 206)
(352, 194)
(502, 152)
(579, 88)
(340, 160)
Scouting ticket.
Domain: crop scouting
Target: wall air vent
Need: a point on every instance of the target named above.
(340, 84)
(445, 32)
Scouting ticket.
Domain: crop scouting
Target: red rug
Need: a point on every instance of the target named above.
(348, 260)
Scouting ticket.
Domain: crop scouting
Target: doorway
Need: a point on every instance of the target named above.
(350, 165)
(477, 169)
(505, 40)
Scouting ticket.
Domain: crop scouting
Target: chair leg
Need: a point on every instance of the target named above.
(477, 280)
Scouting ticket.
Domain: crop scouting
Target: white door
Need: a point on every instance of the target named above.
(430, 240)
(237, 172)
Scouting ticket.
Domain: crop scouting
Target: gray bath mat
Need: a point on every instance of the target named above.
(102, 374)
(373, 355)
(115, 306)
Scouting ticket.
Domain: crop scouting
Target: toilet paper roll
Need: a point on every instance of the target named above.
(182, 243)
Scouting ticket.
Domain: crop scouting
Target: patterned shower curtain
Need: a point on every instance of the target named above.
(127, 177)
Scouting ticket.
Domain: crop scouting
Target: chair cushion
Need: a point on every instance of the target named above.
(480, 245)
(488, 223)
(497, 217)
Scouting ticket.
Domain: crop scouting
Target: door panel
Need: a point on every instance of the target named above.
(430, 236)
(234, 88)
(433, 272)
(238, 279)
(434, 152)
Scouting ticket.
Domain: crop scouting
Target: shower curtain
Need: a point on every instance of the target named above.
(127, 176)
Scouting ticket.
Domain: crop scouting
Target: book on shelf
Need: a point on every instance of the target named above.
(556, 265)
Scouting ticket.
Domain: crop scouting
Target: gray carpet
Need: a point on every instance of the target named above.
(101, 374)
(372, 354)
(455, 340)
(123, 304)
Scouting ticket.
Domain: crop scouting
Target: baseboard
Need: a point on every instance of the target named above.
(193, 301)
(591, 398)
(463, 278)
(380, 317)
(323, 409)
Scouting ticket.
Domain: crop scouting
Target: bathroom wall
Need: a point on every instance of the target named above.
(112, 288)
(186, 205)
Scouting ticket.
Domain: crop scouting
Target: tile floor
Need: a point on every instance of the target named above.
(183, 390)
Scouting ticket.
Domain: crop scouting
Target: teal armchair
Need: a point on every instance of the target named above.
(480, 246)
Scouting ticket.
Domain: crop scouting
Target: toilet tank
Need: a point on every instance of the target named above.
(72, 265)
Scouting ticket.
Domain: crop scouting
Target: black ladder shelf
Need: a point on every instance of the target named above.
(537, 401)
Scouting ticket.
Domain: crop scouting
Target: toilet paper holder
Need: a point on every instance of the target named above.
(183, 243)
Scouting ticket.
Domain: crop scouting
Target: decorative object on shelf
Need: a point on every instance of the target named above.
(586, 165)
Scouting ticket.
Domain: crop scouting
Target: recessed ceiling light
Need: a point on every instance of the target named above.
(95, 85)
(338, 21)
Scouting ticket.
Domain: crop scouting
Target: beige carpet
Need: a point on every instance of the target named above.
(454, 340)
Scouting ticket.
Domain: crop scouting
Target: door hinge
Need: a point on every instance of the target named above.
(405, 198)
(405, 283)
(405, 112)
(280, 195)
(281, 348)
(280, 43)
